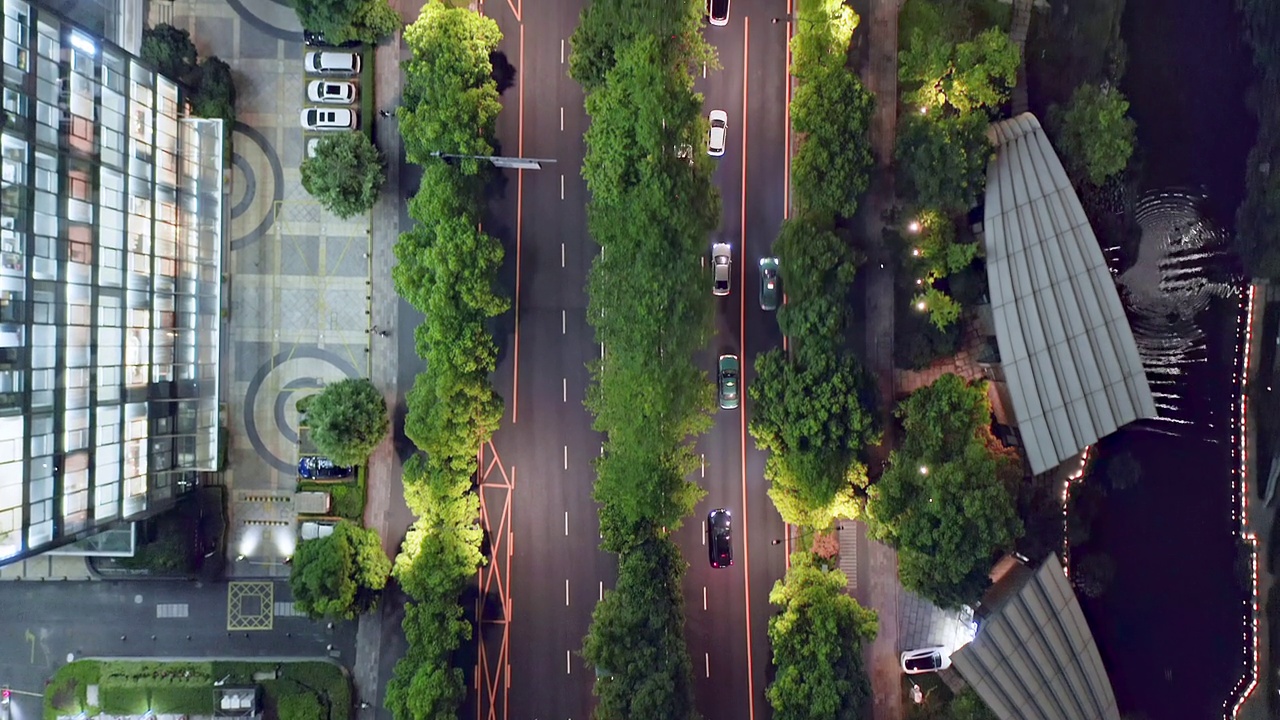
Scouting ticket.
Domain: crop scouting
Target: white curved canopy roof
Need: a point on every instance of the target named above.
(1068, 353)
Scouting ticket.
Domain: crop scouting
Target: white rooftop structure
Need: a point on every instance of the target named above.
(1066, 348)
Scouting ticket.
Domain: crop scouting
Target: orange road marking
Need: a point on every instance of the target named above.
(742, 412)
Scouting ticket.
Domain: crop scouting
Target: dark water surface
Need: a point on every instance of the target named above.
(1170, 627)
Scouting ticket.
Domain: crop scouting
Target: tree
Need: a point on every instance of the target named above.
(1123, 471)
(817, 640)
(946, 500)
(339, 576)
(832, 110)
(605, 28)
(299, 706)
(965, 76)
(819, 266)
(943, 160)
(810, 420)
(215, 95)
(171, 51)
(348, 419)
(340, 21)
(966, 705)
(346, 174)
(1094, 132)
(450, 99)
(1093, 573)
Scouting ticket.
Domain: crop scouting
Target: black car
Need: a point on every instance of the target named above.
(317, 39)
(315, 467)
(720, 538)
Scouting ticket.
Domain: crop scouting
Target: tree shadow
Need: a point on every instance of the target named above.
(504, 73)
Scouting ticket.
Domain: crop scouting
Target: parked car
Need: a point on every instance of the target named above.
(924, 660)
(769, 283)
(720, 538)
(333, 62)
(317, 39)
(328, 119)
(342, 92)
(728, 381)
(718, 12)
(318, 467)
(718, 133)
(721, 268)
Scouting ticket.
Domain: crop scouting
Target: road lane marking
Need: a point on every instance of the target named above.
(707, 658)
(561, 186)
(563, 322)
(704, 532)
(704, 597)
(704, 71)
(568, 667)
(561, 118)
(515, 355)
(561, 51)
(561, 254)
(511, 539)
(566, 592)
(566, 525)
(564, 389)
(566, 457)
(601, 591)
(703, 463)
(742, 381)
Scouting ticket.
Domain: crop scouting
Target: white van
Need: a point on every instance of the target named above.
(333, 62)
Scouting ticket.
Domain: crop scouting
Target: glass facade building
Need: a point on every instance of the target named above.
(111, 217)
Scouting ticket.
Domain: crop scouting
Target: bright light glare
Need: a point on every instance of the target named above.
(920, 306)
(924, 470)
(913, 226)
(83, 43)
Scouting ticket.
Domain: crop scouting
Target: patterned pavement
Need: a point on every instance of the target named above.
(298, 278)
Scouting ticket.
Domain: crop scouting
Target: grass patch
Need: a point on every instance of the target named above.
(67, 692)
(186, 688)
(368, 109)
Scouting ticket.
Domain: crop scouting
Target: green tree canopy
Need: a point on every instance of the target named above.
(810, 420)
(450, 99)
(348, 419)
(966, 76)
(346, 174)
(171, 51)
(832, 111)
(946, 499)
(339, 576)
(817, 643)
(1094, 132)
(367, 21)
(943, 160)
(636, 644)
(609, 26)
(215, 95)
(425, 684)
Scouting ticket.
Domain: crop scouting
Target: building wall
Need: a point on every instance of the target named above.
(110, 264)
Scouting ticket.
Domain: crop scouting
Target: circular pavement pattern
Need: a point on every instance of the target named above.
(258, 140)
(282, 360)
(246, 185)
(302, 384)
(275, 31)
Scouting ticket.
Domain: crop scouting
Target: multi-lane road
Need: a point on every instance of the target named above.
(551, 573)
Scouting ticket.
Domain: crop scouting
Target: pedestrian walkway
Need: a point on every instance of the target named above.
(297, 278)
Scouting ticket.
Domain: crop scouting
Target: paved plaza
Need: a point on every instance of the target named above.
(297, 278)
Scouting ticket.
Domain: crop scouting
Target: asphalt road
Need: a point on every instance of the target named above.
(546, 444)
(49, 623)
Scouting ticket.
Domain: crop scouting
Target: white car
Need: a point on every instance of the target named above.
(341, 92)
(719, 131)
(328, 119)
(335, 62)
(924, 660)
(718, 12)
(721, 268)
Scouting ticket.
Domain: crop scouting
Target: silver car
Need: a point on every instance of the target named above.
(721, 268)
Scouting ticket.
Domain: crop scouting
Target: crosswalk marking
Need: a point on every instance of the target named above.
(288, 609)
(172, 610)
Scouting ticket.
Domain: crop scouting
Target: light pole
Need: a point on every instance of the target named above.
(501, 161)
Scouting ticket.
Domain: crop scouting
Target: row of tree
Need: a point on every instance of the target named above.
(809, 412)
(1258, 219)
(447, 269)
(652, 210)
